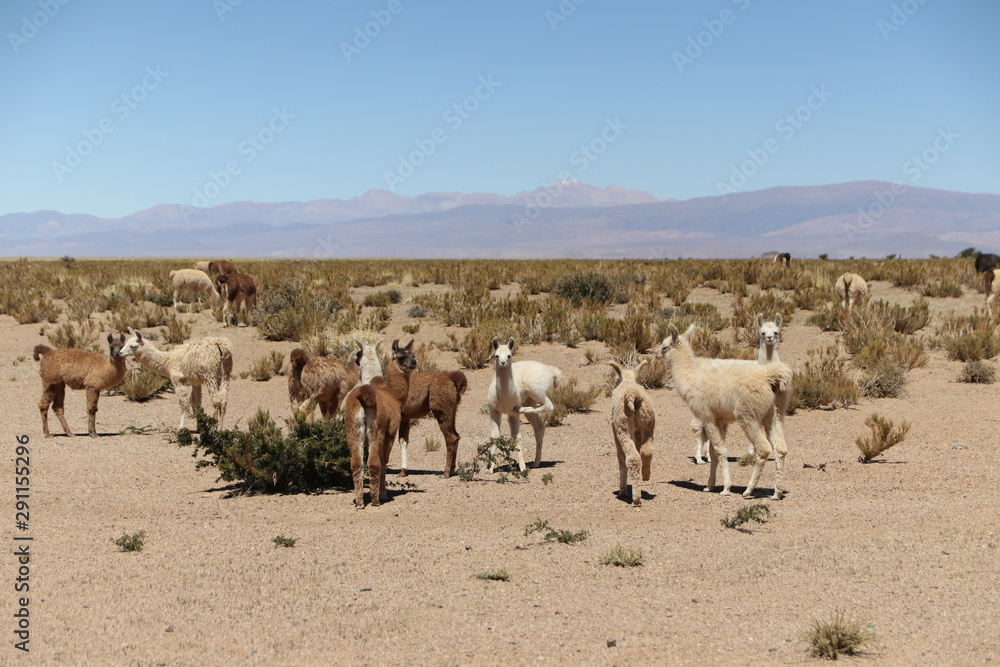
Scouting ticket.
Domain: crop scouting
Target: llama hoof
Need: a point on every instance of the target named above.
(748, 495)
(637, 503)
(708, 489)
(776, 496)
(402, 472)
(725, 492)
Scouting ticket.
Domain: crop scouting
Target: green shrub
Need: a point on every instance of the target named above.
(140, 384)
(293, 311)
(979, 372)
(133, 542)
(588, 286)
(885, 379)
(942, 290)
(758, 513)
(282, 541)
(312, 456)
(494, 575)
(383, 298)
(550, 534)
(823, 380)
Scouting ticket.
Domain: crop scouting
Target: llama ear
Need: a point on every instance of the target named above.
(510, 344)
(138, 335)
(639, 366)
(360, 345)
(672, 335)
(395, 346)
(687, 334)
(618, 372)
(122, 338)
(380, 341)
(409, 346)
(111, 337)
(495, 343)
(777, 320)
(760, 319)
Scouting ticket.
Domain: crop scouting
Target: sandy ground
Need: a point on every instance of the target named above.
(908, 544)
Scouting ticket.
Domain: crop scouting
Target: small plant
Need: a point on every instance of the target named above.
(499, 574)
(475, 351)
(748, 459)
(176, 330)
(591, 356)
(416, 310)
(432, 445)
(140, 384)
(547, 478)
(466, 470)
(282, 541)
(411, 329)
(978, 371)
(133, 542)
(550, 534)
(622, 557)
(568, 398)
(839, 636)
(496, 453)
(884, 435)
(886, 379)
(758, 513)
(823, 380)
(262, 369)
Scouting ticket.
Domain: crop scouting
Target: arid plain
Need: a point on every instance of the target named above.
(906, 544)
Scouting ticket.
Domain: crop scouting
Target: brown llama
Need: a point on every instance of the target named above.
(221, 267)
(80, 369)
(316, 380)
(239, 292)
(372, 413)
(437, 393)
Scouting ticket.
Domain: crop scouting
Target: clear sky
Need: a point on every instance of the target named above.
(111, 107)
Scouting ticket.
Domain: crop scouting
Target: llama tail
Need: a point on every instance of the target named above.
(460, 381)
(365, 395)
(40, 350)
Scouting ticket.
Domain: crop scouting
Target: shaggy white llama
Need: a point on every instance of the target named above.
(632, 423)
(851, 289)
(192, 281)
(207, 362)
(752, 395)
(520, 388)
(767, 352)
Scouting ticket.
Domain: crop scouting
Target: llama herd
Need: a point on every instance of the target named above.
(379, 404)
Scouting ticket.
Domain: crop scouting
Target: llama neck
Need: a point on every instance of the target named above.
(682, 367)
(398, 382)
(152, 358)
(767, 354)
(115, 372)
(505, 378)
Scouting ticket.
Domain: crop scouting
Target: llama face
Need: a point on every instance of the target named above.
(769, 334)
(502, 353)
(404, 355)
(130, 346)
(115, 345)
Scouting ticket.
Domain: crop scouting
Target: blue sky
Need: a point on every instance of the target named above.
(112, 107)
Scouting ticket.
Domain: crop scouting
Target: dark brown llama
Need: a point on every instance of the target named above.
(437, 393)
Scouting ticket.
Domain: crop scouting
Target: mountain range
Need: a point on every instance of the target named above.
(563, 219)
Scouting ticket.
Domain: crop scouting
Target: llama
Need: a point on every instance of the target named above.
(315, 380)
(372, 413)
(753, 395)
(202, 266)
(191, 281)
(767, 352)
(371, 361)
(437, 393)
(851, 289)
(221, 267)
(632, 423)
(207, 362)
(783, 258)
(994, 291)
(520, 388)
(80, 369)
(985, 264)
(238, 292)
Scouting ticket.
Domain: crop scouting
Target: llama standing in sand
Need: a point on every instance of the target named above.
(207, 362)
(520, 388)
(851, 289)
(315, 380)
(632, 424)
(752, 395)
(435, 393)
(79, 369)
(767, 352)
(372, 413)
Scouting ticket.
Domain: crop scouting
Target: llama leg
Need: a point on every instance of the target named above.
(780, 448)
(404, 439)
(546, 406)
(184, 396)
(700, 442)
(446, 422)
(634, 465)
(622, 467)
(53, 393)
(195, 400)
(494, 433)
(93, 395)
(720, 454)
(538, 426)
(376, 471)
(515, 432)
(357, 432)
(758, 436)
(646, 454)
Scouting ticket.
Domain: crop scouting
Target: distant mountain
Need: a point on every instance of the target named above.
(566, 219)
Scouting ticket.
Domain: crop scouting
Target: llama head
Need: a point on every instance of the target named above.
(402, 355)
(502, 353)
(370, 362)
(115, 345)
(673, 336)
(625, 374)
(770, 332)
(131, 346)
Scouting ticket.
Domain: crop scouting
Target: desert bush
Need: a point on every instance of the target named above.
(705, 344)
(587, 286)
(678, 287)
(810, 298)
(375, 320)
(902, 319)
(475, 351)
(133, 542)
(836, 637)
(417, 310)
(383, 298)
(942, 290)
(758, 513)
(823, 380)
(907, 273)
(432, 445)
(33, 308)
(495, 453)
(550, 534)
(139, 384)
(499, 574)
(966, 338)
(567, 397)
(832, 317)
(885, 379)
(282, 541)
(654, 374)
(138, 316)
(979, 372)
(176, 331)
(884, 434)
(267, 366)
(312, 456)
(82, 335)
(766, 304)
(623, 557)
(293, 311)
(412, 329)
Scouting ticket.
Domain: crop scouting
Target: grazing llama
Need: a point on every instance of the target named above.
(783, 258)
(238, 292)
(372, 413)
(221, 267)
(752, 395)
(315, 380)
(435, 393)
(207, 362)
(191, 281)
(851, 289)
(202, 266)
(632, 423)
(767, 352)
(80, 369)
(520, 388)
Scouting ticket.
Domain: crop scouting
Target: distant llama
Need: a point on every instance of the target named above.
(238, 292)
(77, 369)
(192, 282)
(751, 395)
(783, 258)
(207, 362)
(985, 264)
(632, 424)
(767, 352)
(851, 289)
(520, 388)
